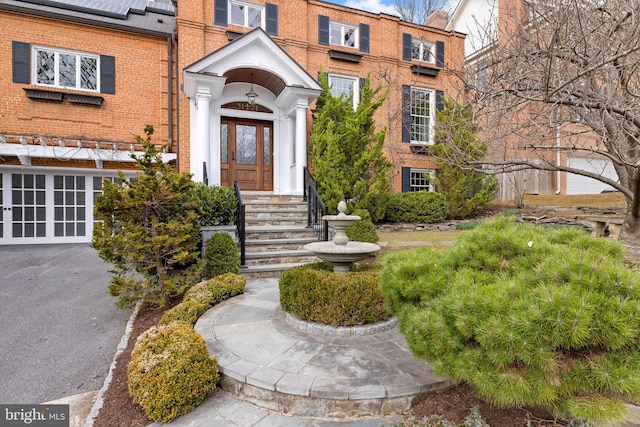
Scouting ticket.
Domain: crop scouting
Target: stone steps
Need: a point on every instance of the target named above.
(275, 234)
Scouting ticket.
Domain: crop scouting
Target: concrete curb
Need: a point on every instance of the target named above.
(124, 341)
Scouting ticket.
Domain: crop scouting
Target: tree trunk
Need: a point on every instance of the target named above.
(630, 233)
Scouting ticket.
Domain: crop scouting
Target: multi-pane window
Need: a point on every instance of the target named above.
(69, 194)
(420, 179)
(422, 50)
(66, 69)
(343, 34)
(345, 86)
(421, 110)
(246, 14)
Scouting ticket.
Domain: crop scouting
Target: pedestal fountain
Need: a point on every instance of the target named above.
(341, 252)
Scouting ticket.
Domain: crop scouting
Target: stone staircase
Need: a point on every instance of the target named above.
(276, 231)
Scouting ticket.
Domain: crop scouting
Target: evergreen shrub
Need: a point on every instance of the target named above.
(220, 256)
(526, 315)
(216, 290)
(416, 206)
(312, 293)
(215, 205)
(363, 230)
(171, 372)
(188, 312)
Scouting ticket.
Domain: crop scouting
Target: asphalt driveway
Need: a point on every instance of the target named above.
(59, 327)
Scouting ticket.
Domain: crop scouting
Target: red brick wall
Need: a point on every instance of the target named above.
(141, 84)
(298, 36)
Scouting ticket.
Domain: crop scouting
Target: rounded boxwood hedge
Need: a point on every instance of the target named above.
(315, 293)
(171, 371)
(220, 256)
(417, 206)
(363, 230)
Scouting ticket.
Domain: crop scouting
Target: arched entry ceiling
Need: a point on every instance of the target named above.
(260, 78)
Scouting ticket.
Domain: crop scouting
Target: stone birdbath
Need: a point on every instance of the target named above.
(341, 252)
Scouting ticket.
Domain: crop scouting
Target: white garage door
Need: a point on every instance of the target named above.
(38, 206)
(577, 184)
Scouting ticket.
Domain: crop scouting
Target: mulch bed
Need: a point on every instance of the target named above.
(454, 404)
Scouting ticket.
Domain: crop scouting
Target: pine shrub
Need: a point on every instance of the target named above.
(527, 315)
(312, 293)
(221, 256)
(171, 372)
(363, 230)
(416, 206)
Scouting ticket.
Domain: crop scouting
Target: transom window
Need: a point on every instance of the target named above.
(246, 14)
(66, 69)
(420, 180)
(422, 50)
(343, 34)
(422, 115)
(345, 86)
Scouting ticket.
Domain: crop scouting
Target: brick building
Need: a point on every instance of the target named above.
(231, 48)
(79, 80)
(82, 77)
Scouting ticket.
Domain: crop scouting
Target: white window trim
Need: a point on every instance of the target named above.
(356, 44)
(430, 172)
(356, 86)
(57, 51)
(246, 13)
(423, 43)
(432, 115)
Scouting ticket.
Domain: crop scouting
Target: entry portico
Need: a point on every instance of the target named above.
(262, 145)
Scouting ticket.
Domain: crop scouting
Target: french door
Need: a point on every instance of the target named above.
(246, 154)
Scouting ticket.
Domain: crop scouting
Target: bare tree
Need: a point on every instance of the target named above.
(564, 78)
(417, 11)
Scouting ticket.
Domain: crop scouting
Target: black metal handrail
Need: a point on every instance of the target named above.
(316, 209)
(240, 225)
(308, 179)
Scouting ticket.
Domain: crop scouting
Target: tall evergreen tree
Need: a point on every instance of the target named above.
(467, 191)
(148, 230)
(346, 150)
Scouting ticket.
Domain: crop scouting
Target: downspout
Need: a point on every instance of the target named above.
(170, 94)
(174, 41)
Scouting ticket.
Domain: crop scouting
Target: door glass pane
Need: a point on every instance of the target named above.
(27, 206)
(224, 143)
(246, 144)
(267, 146)
(69, 201)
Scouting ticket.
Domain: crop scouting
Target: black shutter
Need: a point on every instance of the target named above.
(107, 74)
(364, 38)
(323, 30)
(21, 62)
(220, 14)
(439, 103)
(439, 54)
(271, 11)
(362, 83)
(406, 113)
(406, 47)
(406, 179)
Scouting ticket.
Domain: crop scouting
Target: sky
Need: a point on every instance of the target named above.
(376, 6)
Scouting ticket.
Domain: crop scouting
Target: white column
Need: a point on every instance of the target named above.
(214, 148)
(203, 133)
(301, 145)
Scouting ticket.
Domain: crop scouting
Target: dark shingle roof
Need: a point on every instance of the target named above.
(143, 16)
(119, 9)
